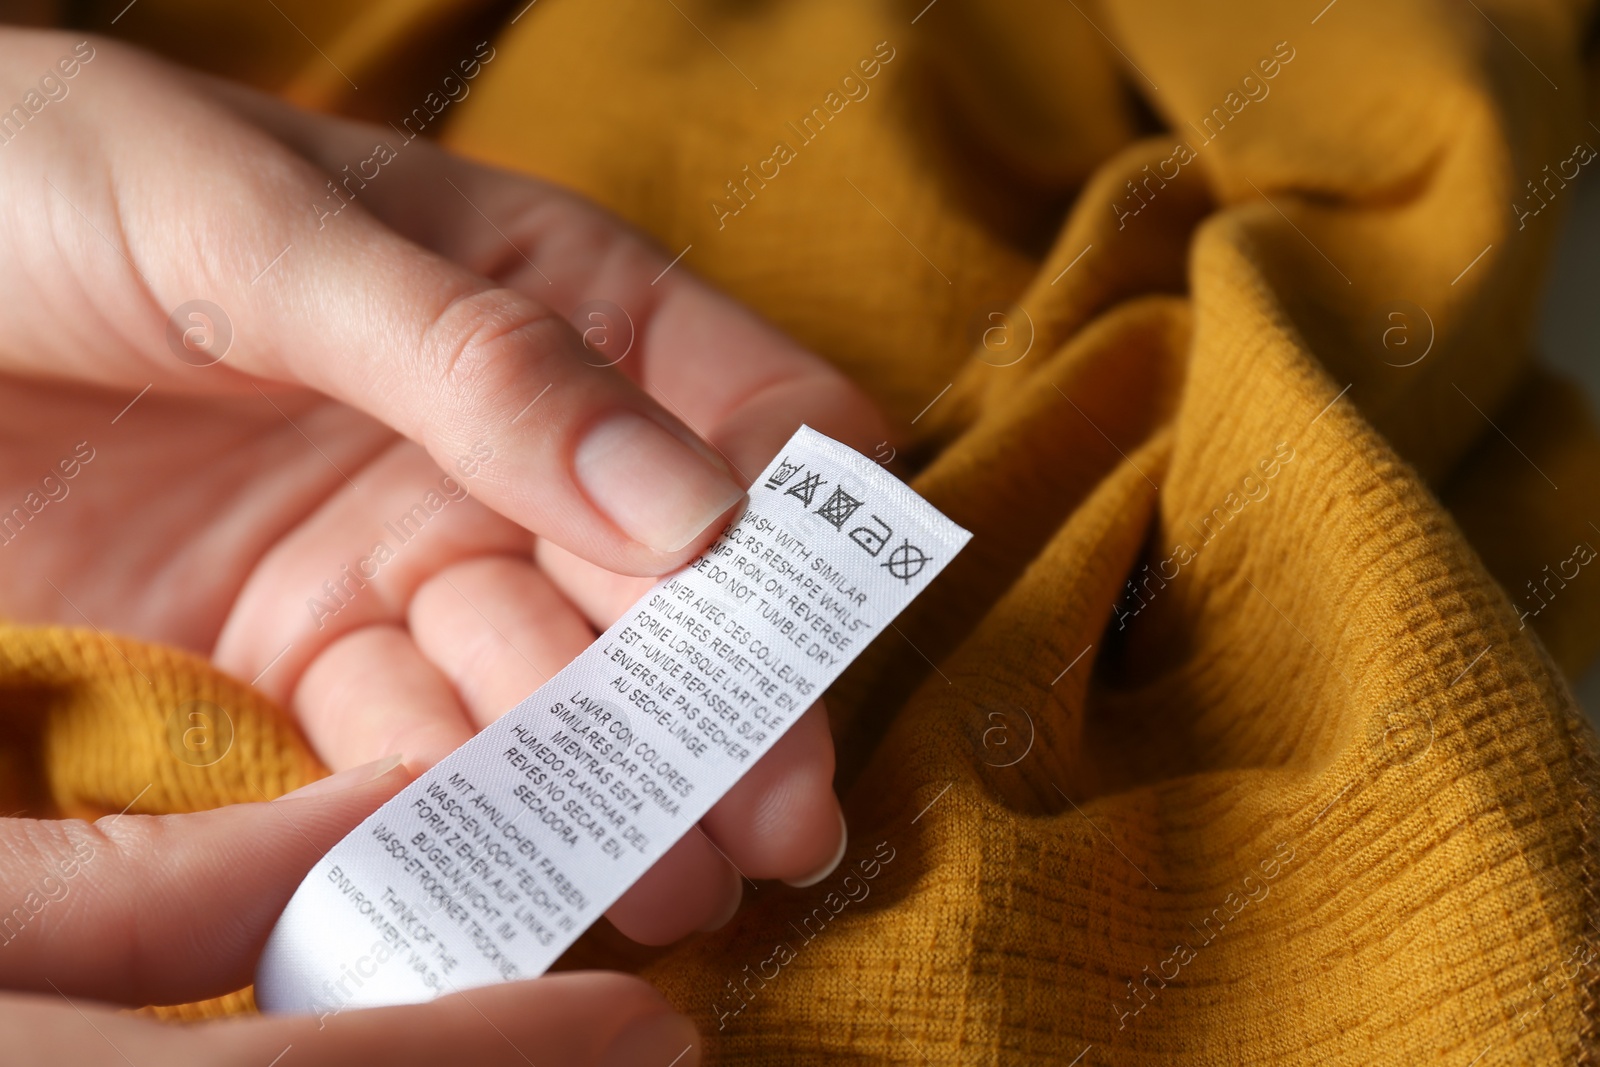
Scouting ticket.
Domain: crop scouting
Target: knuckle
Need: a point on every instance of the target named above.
(588, 240)
(116, 837)
(481, 340)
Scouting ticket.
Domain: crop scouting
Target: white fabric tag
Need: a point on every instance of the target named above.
(493, 862)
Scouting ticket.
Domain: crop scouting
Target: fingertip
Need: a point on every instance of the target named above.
(352, 778)
(659, 489)
(664, 1039)
(782, 819)
(572, 1017)
(687, 889)
(735, 897)
(809, 880)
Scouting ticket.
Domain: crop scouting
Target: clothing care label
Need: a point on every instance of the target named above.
(488, 866)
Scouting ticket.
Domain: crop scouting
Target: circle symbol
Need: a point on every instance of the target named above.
(199, 733)
(1403, 334)
(606, 331)
(199, 333)
(907, 561)
(1003, 334)
(998, 740)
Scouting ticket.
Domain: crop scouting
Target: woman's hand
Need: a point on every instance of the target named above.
(325, 474)
(135, 909)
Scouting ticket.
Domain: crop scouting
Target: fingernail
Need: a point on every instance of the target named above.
(656, 487)
(655, 1041)
(832, 865)
(725, 916)
(346, 779)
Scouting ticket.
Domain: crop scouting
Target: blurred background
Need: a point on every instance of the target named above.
(1570, 339)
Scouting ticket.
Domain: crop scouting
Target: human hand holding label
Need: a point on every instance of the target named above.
(493, 862)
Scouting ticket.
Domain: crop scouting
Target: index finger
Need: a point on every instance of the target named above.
(740, 383)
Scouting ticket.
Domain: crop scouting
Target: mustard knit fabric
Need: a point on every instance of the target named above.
(1233, 737)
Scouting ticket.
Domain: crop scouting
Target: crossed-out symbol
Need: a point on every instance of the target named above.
(906, 562)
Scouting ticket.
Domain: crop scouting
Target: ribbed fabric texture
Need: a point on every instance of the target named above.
(1226, 741)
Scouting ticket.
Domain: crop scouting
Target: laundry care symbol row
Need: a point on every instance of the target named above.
(905, 562)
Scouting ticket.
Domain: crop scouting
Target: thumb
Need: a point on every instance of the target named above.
(576, 1018)
(348, 306)
(143, 909)
(576, 452)
(573, 1019)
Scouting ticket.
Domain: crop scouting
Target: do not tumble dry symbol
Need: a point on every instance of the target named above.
(838, 508)
(872, 536)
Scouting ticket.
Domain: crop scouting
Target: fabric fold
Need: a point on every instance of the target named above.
(1234, 736)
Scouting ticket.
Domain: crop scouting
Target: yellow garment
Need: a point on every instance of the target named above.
(1308, 791)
